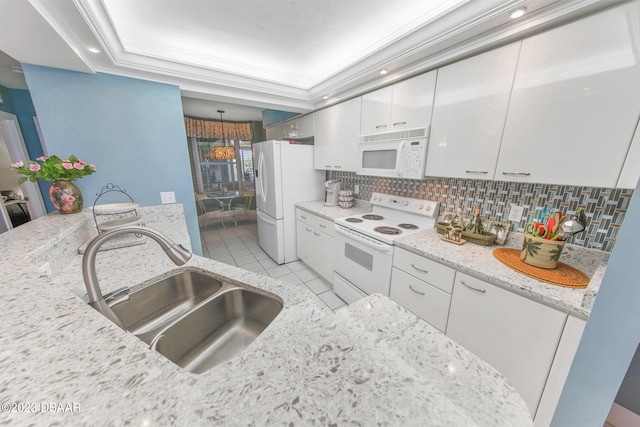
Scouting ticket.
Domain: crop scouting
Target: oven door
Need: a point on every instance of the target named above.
(362, 261)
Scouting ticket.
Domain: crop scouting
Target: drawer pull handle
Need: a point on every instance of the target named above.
(381, 126)
(399, 123)
(517, 173)
(472, 288)
(417, 292)
(308, 229)
(478, 172)
(322, 226)
(316, 233)
(303, 217)
(419, 269)
(338, 167)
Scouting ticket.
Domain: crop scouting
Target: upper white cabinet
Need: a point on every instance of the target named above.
(631, 169)
(469, 112)
(404, 105)
(515, 335)
(575, 102)
(298, 127)
(337, 129)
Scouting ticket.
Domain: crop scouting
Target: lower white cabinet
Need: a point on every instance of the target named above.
(567, 348)
(515, 335)
(314, 243)
(422, 286)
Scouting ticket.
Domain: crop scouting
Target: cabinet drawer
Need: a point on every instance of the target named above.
(431, 272)
(422, 299)
(322, 224)
(304, 216)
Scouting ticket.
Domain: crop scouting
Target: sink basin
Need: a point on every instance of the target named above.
(161, 302)
(194, 319)
(218, 329)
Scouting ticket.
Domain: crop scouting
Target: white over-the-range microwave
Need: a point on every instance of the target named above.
(400, 154)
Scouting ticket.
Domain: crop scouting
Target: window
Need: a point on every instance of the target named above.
(212, 174)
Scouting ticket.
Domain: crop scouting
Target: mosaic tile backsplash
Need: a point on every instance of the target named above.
(605, 207)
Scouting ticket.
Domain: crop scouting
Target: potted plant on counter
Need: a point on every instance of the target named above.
(65, 196)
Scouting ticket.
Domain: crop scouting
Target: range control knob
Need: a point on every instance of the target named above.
(421, 207)
(405, 203)
(429, 207)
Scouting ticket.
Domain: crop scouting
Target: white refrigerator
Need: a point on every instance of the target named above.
(284, 176)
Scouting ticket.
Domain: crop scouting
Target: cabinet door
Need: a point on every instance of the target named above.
(631, 169)
(303, 232)
(575, 102)
(305, 126)
(376, 111)
(323, 254)
(515, 335)
(412, 102)
(567, 348)
(469, 113)
(337, 129)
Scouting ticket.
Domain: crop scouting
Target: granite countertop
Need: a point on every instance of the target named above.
(478, 261)
(309, 367)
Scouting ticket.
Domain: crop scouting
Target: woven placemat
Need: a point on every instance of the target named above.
(563, 274)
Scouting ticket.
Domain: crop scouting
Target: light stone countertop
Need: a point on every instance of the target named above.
(478, 261)
(371, 363)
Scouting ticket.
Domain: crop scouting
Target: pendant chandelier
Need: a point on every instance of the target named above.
(224, 152)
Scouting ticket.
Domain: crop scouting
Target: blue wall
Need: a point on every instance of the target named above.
(271, 117)
(133, 130)
(611, 336)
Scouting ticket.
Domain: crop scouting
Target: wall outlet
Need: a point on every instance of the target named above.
(515, 213)
(356, 189)
(167, 197)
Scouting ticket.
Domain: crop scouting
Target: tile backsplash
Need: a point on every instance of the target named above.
(605, 207)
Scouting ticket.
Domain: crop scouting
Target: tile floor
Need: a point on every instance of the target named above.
(238, 245)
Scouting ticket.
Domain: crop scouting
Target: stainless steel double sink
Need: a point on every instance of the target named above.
(195, 319)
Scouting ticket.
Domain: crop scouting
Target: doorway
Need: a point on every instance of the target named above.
(20, 202)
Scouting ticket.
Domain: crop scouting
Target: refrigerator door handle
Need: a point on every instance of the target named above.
(263, 174)
(265, 218)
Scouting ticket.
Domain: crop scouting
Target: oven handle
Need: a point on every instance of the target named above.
(381, 247)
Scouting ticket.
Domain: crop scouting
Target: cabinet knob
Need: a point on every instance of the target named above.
(417, 292)
(517, 173)
(472, 288)
(419, 269)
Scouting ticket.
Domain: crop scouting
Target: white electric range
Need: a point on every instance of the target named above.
(364, 243)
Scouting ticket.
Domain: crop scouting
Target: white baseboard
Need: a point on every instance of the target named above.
(622, 417)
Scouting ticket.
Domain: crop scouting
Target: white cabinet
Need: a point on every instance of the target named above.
(404, 105)
(469, 112)
(631, 169)
(337, 129)
(515, 335)
(422, 286)
(314, 240)
(567, 348)
(299, 127)
(575, 102)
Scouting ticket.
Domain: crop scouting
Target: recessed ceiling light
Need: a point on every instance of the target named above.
(518, 13)
(94, 50)
(383, 72)
(325, 97)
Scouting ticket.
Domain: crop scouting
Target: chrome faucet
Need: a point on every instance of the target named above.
(175, 251)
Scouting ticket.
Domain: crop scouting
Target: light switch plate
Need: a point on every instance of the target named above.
(515, 213)
(167, 197)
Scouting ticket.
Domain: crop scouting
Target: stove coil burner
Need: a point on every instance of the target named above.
(373, 217)
(387, 230)
(408, 226)
(354, 220)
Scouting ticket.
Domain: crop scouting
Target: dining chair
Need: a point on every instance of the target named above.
(209, 206)
(240, 203)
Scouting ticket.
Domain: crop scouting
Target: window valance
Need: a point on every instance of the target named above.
(202, 128)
